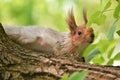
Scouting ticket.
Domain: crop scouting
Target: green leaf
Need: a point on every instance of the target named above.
(100, 19)
(117, 57)
(118, 32)
(107, 5)
(102, 47)
(110, 62)
(93, 18)
(109, 48)
(98, 59)
(117, 11)
(111, 51)
(97, 18)
(111, 31)
(78, 75)
(65, 77)
(106, 48)
(88, 50)
(92, 54)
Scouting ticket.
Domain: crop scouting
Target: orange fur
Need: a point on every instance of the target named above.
(80, 35)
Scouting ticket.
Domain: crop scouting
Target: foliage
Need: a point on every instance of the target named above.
(104, 48)
(111, 31)
(75, 76)
(92, 54)
(117, 11)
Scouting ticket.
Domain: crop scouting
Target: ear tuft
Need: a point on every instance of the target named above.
(71, 21)
(85, 16)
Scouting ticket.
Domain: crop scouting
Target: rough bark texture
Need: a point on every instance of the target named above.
(17, 63)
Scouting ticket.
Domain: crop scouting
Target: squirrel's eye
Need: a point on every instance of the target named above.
(79, 33)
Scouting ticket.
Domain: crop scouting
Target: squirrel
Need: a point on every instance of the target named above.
(45, 39)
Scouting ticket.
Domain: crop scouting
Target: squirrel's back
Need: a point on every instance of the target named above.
(45, 39)
(36, 38)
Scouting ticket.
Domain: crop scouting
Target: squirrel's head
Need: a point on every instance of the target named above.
(79, 34)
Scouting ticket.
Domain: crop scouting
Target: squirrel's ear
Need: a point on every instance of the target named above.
(85, 16)
(71, 21)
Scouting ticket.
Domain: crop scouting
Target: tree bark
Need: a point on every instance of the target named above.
(18, 63)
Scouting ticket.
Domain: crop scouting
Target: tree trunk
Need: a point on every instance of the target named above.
(18, 63)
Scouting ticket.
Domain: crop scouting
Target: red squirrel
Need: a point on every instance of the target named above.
(45, 39)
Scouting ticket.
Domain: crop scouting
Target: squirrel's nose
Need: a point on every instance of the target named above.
(92, 38)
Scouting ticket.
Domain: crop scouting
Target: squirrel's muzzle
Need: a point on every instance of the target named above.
(91, 35)
(91, 38)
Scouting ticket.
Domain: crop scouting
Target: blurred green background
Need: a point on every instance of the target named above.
(49, 13)
(102, 16)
